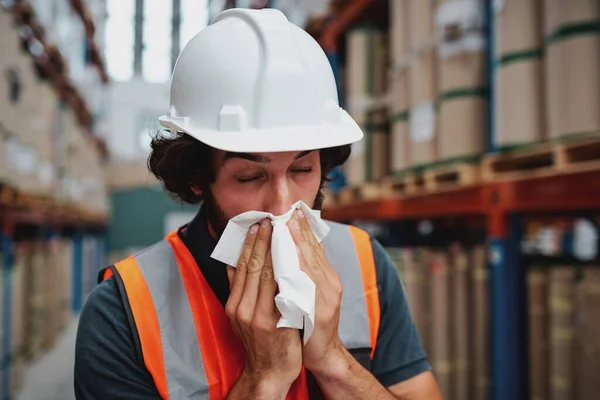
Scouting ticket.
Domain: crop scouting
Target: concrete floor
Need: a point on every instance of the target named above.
(51, 376)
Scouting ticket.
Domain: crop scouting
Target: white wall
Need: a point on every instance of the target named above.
(131, 103)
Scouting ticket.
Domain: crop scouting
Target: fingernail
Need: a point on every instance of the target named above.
(294, 225)
(254, 229)
(300, 213)
(264, 223)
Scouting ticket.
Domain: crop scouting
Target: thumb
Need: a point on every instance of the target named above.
(230, 275)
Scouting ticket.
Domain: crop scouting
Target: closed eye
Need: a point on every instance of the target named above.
(302, 170)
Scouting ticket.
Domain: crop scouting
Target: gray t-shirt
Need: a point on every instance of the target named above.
(108, 359)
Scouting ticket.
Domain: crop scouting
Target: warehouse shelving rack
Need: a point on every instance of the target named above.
(49, 224)
(502, 205)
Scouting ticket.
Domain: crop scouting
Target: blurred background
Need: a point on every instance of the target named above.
(479, 172)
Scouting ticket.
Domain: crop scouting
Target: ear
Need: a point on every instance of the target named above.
(196, 190)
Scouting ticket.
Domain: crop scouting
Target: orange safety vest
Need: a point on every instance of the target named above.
(187, 341)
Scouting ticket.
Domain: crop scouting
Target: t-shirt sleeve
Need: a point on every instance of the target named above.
(107, 365)
(399, 354)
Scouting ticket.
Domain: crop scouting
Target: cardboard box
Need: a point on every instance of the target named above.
(572, 80)
(537, 311)
(480, 309)
(588, 349)
(461, 332)
(561, 302)
(462, 127)
(423, 82)
(518, 26)
(520, 103)
(441, 303)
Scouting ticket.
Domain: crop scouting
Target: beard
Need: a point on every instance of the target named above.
(218, 219)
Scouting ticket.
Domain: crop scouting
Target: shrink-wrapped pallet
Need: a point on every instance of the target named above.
(399, 85)
(519, 94)
(537, 316)
(572, 62)
(423, 82)
(463, 89)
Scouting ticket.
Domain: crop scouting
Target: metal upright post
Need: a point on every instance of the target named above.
(77, 271)
(7, 248)
(508, 313)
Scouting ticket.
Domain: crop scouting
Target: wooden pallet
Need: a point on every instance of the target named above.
(545, 159)
(8, 195)
(434, 179)
(366, 191)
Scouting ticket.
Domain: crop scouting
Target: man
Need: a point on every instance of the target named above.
(254, 125)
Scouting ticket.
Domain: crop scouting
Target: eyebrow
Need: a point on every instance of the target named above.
(257, 158)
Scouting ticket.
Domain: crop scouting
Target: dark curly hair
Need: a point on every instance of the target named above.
(180, 161)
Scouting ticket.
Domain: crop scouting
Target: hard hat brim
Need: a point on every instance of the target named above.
(295, 138)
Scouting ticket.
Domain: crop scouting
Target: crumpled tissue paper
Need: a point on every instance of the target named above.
(296, 298)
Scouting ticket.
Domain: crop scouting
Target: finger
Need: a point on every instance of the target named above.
(230, 275)
(306, 229)
(255, 266)
(239, 278)
(265, 305)
(300, 240)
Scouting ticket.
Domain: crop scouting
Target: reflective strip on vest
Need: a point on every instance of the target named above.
(354, 329)
(183, 367)
(159, 303)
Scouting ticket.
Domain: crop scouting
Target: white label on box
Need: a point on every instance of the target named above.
(548, 241)
(422, 123)
(460, 24)
(585, 240)
(499, 6)
(29, 159)
(45, 173)
(11, 149)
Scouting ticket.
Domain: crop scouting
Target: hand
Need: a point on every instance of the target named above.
(273, 355)
(324, 348)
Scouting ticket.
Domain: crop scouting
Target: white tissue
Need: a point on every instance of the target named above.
(296, 298)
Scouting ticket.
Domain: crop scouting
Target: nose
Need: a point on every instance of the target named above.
(279, 200)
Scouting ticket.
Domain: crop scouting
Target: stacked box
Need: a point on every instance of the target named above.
(441, 327)
(51, 294)
(461, 332)
(588, 327)
(416, 287)
(562, 324)
(34, 306)
(356, 95)
(399, 85)
(572, 61)
(537, 307)
(480, 306)
(463, 91)
(519, 73)
(423, 82)
(366, 73)
(65, 272)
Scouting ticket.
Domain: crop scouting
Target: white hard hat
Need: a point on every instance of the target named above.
(254, 82)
